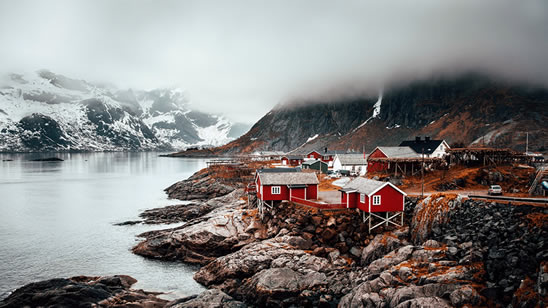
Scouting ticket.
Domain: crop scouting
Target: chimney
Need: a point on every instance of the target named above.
(427, 138)
(418, 138)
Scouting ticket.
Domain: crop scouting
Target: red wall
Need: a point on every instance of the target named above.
(312, 192)
(298, 192)
(362, 206)
(314, 154)
(376, 166)
(352, 197)
(391, 200)
(258, 187)
(267, 193)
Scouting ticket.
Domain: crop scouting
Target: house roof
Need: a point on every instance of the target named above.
(429, 146)
(288, 178)
(333, 152)
(328, 152)
(312, 162)
(293, 156)
(399, 152)
(279, 170)
(352, 159)
(367, 186)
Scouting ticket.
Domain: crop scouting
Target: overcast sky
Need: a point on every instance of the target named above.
(241, 58)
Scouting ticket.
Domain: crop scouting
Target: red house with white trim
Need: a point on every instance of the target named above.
(373, 196)
(314, 155)
(278, 186)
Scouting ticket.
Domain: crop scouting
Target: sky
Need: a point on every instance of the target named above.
(241, 58)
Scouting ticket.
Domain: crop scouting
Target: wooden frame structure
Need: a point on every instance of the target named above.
(409, 164)
(486, 156)
(389, 218)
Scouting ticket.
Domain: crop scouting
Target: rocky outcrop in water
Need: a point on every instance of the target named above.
(203, 239)
(199, 186)
(82, 291)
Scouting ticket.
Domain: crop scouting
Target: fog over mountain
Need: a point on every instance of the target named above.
(240, 58)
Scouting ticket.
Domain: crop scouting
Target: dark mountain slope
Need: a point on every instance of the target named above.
(466, 109)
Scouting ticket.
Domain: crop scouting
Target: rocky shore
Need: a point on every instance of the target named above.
(454, 252)
(83, 291)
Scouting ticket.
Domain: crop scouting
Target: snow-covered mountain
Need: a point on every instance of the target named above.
(45, 111)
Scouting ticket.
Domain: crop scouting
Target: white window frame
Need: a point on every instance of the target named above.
(276, 190)
(362, 198)
(376, 200)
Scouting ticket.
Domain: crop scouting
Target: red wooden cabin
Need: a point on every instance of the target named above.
(292, 160)
(314, 155)
(374, 197)
(388, 152)
(278, 186)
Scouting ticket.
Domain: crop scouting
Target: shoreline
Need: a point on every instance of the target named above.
(302, 256)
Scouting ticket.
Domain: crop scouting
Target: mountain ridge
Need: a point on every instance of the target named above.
(45, 111)
(467, 109)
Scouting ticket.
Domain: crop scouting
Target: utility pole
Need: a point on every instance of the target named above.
(422, 174)
(526, 143)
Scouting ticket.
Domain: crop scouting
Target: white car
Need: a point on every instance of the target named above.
(494, 190)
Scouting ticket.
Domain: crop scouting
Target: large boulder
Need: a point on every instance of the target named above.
(82, 291)
(211, 298)
(431, 213)
(379, 246)
(199, 186)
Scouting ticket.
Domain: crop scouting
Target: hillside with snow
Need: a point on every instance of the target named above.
(44, 111)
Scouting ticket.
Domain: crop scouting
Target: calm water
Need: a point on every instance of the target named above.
(56, 218)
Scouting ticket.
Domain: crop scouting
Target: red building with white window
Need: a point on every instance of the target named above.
(372, 196)
(375, 198)
(278, 186)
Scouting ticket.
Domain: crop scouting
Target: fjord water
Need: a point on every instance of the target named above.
(56, 218)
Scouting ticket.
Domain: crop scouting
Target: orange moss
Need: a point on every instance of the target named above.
(526, 292)
(437, 206)
(538, 219)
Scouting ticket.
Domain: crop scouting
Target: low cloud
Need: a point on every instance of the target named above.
(241, 58)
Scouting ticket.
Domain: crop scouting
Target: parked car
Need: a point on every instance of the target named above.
(494, 190)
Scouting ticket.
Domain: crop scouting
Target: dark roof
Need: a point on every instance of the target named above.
(329, 152)
(429, 146)
(312, 162)
(279, 170)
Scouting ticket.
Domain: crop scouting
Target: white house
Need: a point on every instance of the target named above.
(431, 148)
(351, 162)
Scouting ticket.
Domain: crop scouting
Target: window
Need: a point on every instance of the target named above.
(376, 200)
(362, 198)
(276, 190)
